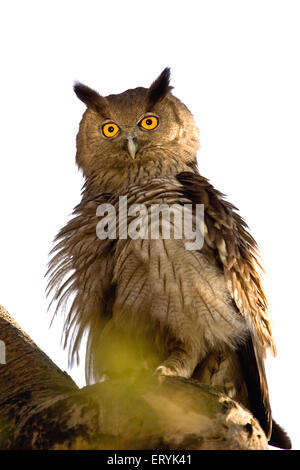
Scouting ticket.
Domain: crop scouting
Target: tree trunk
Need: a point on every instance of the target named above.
(42, 408)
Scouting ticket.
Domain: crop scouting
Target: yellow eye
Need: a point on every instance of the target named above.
(149, 123)
(110, 129)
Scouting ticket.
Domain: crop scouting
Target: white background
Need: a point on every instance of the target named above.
(236, 66)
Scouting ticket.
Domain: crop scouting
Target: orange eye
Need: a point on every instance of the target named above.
(110, 129)
(149, 123)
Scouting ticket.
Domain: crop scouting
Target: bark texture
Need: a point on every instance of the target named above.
(42, 408)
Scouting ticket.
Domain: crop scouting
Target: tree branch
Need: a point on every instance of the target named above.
(42, 408)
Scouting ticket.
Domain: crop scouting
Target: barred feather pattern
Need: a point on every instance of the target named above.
(91, 261)
(226, 233)
(199, 303)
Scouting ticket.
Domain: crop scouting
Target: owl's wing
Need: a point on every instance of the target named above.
(236, 251)
(227, 239)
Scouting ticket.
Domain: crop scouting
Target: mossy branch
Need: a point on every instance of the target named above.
(42, 408)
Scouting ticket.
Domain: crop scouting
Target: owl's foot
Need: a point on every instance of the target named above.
(178, 364)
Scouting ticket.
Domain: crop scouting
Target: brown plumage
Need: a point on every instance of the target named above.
(151, 303)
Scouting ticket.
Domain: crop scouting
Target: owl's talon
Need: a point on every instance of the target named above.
(162, 371)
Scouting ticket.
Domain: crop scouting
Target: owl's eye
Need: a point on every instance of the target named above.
(110, 129)
(149, 123)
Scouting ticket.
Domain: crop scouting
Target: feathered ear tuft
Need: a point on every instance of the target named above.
(92, 99)
(159, 88)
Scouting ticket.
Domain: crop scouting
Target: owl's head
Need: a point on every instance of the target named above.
(134, 127)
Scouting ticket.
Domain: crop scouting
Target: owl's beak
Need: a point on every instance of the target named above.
(132, 146)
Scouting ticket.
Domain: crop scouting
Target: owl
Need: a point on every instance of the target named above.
(147, 302)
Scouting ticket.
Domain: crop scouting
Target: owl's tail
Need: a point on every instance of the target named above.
(254, 375)
(279, 438)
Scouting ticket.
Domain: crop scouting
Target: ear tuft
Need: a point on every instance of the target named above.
(92, 99)
(159, 88)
